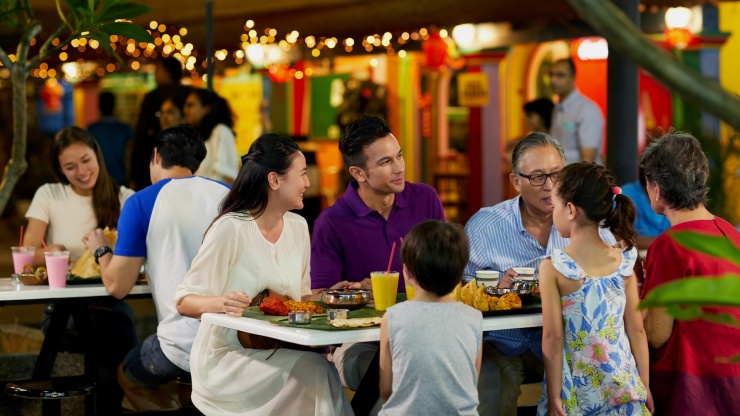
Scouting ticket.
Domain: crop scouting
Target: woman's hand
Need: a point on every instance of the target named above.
(235, 303)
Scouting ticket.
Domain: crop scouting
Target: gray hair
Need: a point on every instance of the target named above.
(535, 139)
(676, 163)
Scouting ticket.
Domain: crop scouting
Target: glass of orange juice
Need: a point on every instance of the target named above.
(410, 292)
(385, 287)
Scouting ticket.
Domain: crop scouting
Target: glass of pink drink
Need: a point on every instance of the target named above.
(21, 257)
(56, 266)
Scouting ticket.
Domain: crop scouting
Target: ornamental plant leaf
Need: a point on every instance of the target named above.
(121, 11)
(126, 30)
(696, 291)
(715, 246)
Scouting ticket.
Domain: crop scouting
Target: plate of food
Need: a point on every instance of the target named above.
(500, 303)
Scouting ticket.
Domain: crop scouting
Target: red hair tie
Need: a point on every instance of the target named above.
(616, 191)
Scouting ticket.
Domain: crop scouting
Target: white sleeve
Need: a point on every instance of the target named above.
(209, 271)
(40, 208)
(124, 194)
(306, 244)
(225, 159)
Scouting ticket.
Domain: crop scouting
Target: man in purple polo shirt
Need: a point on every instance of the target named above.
(354, 236)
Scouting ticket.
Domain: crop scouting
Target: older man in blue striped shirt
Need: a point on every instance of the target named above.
(519, 233)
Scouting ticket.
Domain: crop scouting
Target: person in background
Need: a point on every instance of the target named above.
(593, 341)
(577, 122)
(85, 198)
(688, 375)
(161, 227)
(434, 255)
(211, 115)
(167, 74)
(113, 137)
(519, 233)
(648, 224)
(172, 112)
(538, 115)
(257, 244)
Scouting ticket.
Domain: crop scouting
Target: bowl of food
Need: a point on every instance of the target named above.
(30, 276)
(350, 299)
(524, 295)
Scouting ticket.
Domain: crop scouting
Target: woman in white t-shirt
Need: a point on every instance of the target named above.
(85, 198)
(256, 244)
(211, 115)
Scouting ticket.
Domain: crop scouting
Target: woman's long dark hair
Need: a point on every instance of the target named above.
(220, 112)
(248, 194)
(106, 203)
(591, 187)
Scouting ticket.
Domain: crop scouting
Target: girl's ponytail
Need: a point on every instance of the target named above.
(621, 219)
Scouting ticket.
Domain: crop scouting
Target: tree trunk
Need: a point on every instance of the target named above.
(623, 36)
(17, 165)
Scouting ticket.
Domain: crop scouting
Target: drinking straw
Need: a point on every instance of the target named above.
(390, 260)
(42, 242)
(21, 243)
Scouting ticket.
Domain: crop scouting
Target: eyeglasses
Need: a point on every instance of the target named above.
(540, 178)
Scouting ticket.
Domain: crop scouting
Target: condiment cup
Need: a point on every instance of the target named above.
(299, 318)
(332, 314)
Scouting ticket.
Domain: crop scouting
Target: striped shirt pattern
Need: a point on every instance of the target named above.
(499, 241)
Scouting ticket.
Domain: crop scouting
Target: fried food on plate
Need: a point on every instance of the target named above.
(312, 307)
(356, 322)
(85, 266)
(492, 302)
(468, 291)
(480, 299)
(456, 293)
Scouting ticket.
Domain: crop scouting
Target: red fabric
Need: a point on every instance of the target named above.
(687, 364)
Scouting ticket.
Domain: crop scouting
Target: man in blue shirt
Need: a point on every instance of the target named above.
(519, 233)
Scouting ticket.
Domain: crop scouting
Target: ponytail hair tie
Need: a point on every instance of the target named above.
(616, 191)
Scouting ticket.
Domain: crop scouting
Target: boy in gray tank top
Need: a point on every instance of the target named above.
(430, 347)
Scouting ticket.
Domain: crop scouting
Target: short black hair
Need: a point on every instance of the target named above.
(543, 108)
(360, 134)
(106, 103)
(180, 145)
(436, 253)
(569, 62)
(173, 67)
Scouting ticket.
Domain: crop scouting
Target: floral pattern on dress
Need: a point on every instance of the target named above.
(599, 371)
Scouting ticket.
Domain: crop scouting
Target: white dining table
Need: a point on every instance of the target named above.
(304, 336)
(367, 393)
(12, 292)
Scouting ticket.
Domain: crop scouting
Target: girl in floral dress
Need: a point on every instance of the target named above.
(594, 344)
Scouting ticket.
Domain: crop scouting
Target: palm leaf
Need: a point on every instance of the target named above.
(127, 30)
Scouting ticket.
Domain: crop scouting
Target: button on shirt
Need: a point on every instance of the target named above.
(577, 122)
(351, 240)
(499, 241)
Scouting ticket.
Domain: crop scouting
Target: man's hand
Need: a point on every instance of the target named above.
(95, 239)
(234, 303)
(365, 284)
(505, 280)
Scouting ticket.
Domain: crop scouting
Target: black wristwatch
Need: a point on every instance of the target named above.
(102, 251)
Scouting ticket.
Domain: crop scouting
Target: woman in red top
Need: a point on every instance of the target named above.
(685, 375)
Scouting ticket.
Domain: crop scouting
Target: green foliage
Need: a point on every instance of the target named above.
(715, 246)
(685, 299)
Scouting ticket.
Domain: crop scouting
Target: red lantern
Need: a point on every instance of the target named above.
(435, 50)
(279, 73)
(678, 37)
